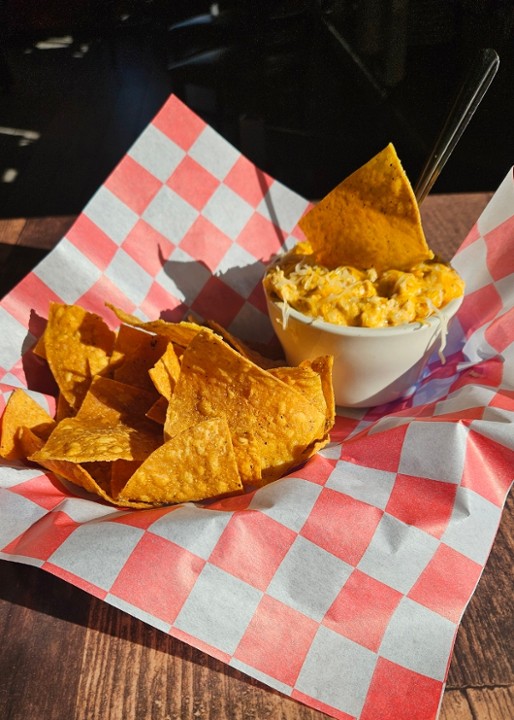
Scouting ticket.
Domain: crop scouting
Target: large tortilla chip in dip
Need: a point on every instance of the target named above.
(371, 219)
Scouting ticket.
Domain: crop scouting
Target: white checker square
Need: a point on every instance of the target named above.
(128, 276)
(67, 272)
(218, 609)
(472, 526)
(468, 396)
(227, 211)
(157, 153)
(496, 424)
(500, 210)
(505, 288)
(194, 529)
(397, 553)
(309, 579)
(473, 256)
(418, 639)
(170, 215)
(239, 270)
(112, 542)
(435, 452)
(337, 671)
(282, 206)
(288, 501)
(111, 215)
(182, 276)
(214, 153)
(13, 338)
(18, 513)
(368, 485)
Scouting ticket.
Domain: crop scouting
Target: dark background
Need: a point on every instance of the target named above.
(308, 89)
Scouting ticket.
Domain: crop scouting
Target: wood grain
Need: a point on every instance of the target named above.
(66, 654)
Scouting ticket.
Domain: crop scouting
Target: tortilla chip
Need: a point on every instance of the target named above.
(78, 345)
(164, 374)
(180, 333)
(196, 464)
(243, 348)
(371, 219)
(135, 352)
(22, 411)
(267, 419)
(110, 425)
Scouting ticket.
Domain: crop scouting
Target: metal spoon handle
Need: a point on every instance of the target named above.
(468, 99)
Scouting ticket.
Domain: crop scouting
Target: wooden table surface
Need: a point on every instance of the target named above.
(65, 654)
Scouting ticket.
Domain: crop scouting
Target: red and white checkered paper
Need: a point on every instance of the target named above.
(343, 584)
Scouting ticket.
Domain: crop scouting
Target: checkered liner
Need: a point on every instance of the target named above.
(343, 584)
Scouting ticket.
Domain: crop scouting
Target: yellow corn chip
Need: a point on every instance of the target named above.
(22, 411)
(78, 345)
(180, 333)
(164, 374)
(279, 425)
(135, 353)
(196, 464)
(371, 219)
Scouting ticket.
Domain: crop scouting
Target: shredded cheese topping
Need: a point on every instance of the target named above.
(362, 298)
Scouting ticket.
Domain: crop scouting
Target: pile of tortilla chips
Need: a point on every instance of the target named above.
(159, 412)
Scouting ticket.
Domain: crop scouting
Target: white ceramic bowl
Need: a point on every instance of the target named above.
(372, 366)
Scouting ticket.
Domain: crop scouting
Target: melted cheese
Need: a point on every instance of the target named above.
(363, 298)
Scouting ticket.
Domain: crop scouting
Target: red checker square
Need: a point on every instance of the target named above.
(204, 240)
(143, 520)
(42, 490)
(192, 182)
(76, 580)
(232, 504)
(248, 181)
(160, 303)
(317, 470)
(254, 562)
(179, 123)
(258, 299)
(425, 504)
(362, 610)
(503, 400)
(343, 428)
(500, 332)
(381, 450)
(489, 373)
(478, 308)
(162, 564)
(94, 299)
(29, 296)
(43, 538)
(261, 237)
(402, 694)
(499, 262)
(133, 184)
(91, 241)
(341, 525)
(218, 301)
(447, 583)
(147, 247)
(273, 626)
(487, 468)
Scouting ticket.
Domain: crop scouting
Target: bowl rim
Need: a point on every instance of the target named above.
(449, 310)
